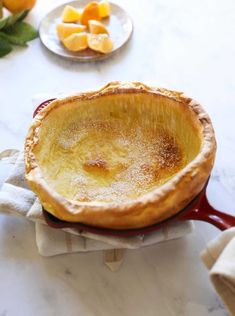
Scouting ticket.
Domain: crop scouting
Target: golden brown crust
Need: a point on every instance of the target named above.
(159, 204)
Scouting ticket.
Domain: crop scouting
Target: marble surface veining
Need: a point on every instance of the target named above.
(181, 45)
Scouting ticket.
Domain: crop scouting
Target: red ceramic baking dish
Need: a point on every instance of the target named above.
(198, 209)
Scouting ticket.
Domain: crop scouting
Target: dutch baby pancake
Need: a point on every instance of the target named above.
(125, 156)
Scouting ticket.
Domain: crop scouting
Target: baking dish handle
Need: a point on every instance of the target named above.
(206, 213)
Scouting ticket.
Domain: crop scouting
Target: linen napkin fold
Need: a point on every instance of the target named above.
(17, 199)
(219, 258)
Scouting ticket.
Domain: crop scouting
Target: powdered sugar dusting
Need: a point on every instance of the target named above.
(106, 161)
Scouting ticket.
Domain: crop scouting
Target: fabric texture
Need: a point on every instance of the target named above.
(219, 258)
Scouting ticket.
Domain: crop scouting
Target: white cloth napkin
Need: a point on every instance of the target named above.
(219, 258)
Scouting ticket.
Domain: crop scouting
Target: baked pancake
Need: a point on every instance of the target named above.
(125, 156)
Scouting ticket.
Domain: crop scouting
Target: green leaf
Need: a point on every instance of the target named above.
(3, 23)
(1, 9)
(12, 39)
(12, 19)
(20, 33)
(5, 47)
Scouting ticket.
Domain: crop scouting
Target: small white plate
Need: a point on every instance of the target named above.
(119, 25)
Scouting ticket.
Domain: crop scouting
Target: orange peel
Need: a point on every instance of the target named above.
(90, 12)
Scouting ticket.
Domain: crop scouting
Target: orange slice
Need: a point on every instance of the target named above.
(104, 8)
(66, 29)
(96, 27)
(100, 43)
(70, 14)
(90, 12)
(76, 42)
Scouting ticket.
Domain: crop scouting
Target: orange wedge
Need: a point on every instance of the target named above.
(104, 8)
(90, 12)
(100, 43)
(70, 14)
(76, 42)
(96, 27)
(66, 29)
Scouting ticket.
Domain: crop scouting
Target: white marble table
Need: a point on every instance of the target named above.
(183, 45)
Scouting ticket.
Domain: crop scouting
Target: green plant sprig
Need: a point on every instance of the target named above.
(13, 31)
